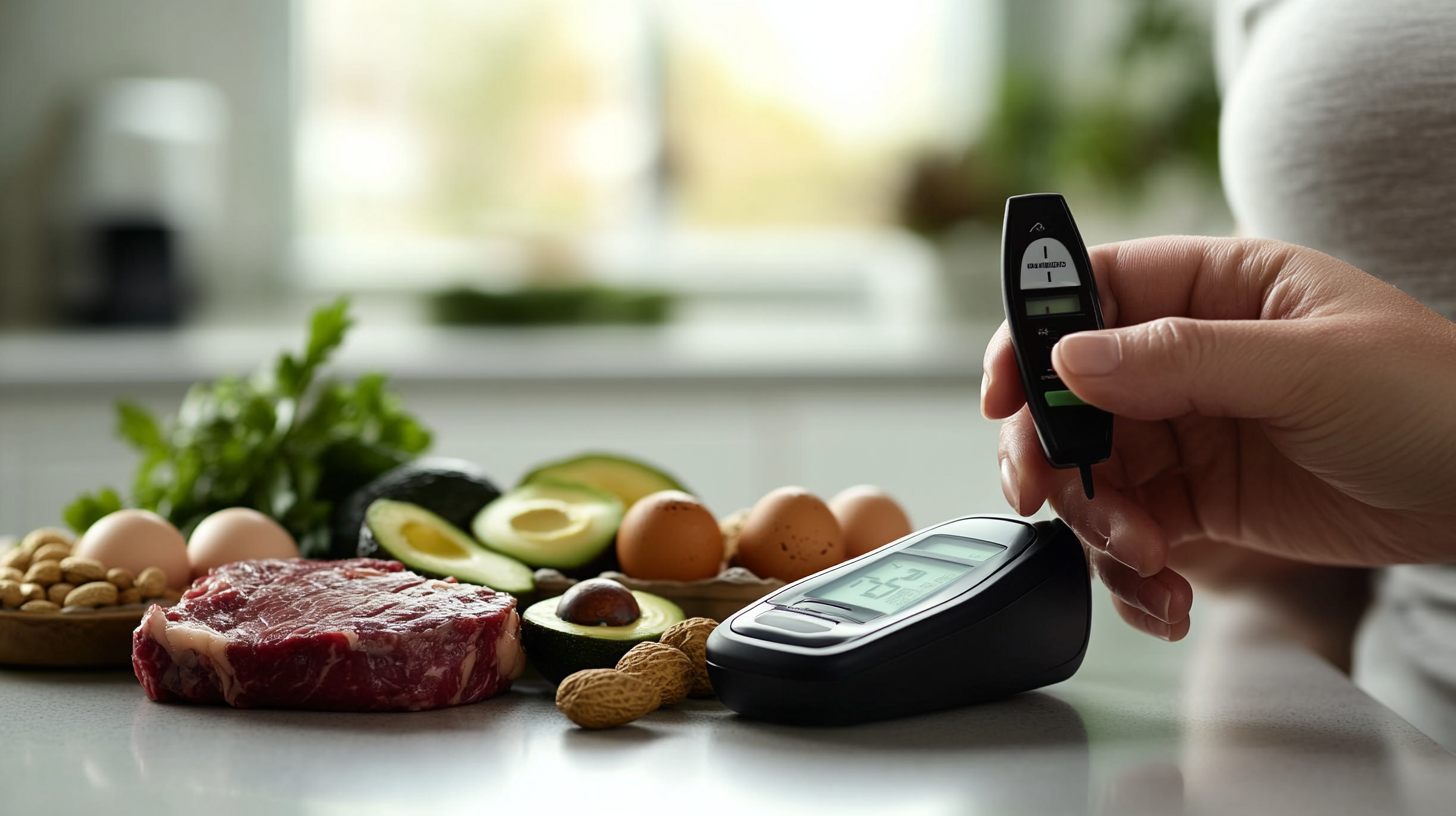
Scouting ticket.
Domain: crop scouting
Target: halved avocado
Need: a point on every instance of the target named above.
(452, 489)
(549, 523)
(558, 648)
(627, 479)
(434, 547)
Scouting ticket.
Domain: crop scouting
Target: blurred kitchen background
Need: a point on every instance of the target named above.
(753, 241)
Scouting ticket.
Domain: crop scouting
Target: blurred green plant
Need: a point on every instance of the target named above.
(1042, 134)
(575, 304)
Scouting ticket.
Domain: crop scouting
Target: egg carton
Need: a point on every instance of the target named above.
(717, 597)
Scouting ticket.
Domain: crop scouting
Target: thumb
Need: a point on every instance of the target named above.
(1177, 365)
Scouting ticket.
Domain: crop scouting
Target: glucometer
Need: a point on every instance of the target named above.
(963, 612)
(1049, 292)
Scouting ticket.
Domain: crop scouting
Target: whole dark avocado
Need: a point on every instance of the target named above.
(453, 489)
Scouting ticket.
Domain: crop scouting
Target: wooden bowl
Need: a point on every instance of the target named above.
(89, 639)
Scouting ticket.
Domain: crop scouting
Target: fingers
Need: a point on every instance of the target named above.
(1137, 619)
(1112, 524)
(1203, 278)
(1157, 604)
(1207, 327)
(1173, 367)
(1001, 392)
(1026, 478)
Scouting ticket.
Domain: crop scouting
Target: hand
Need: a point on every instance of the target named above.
(1267, 398)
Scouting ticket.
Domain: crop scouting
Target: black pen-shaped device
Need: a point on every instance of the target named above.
(1049, 292)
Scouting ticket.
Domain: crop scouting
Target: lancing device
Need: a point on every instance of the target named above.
(1049, 292)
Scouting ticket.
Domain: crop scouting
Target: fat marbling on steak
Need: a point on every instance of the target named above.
(355, 635)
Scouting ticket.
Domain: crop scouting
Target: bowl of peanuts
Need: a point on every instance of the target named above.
(58, 609)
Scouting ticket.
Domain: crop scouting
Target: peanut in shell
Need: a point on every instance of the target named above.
(80, 570)
(691, 638)
(10, 595)
(42, 536)
(152, 582)
(44, 573)
(16, 558)
(604, 698)
(668, 670)
(95, 593)
(122, 578)
(56, 593)
(54, 551)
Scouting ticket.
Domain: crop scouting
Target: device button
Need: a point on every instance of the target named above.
(1062, 399)
(1048, 264)
(793, 623)
(781, 626)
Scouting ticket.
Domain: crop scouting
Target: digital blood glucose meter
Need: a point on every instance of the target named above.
(962, 612)
(1049, 292)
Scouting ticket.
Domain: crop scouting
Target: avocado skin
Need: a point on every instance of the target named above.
(453, 489)
(558, 653)
(602, 470)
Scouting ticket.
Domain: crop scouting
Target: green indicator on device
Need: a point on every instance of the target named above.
(1060, 399)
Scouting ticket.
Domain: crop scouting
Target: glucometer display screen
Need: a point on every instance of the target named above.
(1062, 304)
(893, 583)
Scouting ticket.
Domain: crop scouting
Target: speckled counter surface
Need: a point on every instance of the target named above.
(1236, 720)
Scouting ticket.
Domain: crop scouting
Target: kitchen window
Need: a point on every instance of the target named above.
(457, 141)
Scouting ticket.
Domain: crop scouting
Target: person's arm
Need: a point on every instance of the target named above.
(1269, 398)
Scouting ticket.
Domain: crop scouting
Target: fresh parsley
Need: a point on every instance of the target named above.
(282, 441)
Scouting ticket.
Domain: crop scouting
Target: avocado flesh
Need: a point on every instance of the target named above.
(431, 546)
(550, 524)
(627, 479)
(559, 647)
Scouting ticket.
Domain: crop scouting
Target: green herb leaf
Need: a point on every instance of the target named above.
(283, 442)
(88, 508)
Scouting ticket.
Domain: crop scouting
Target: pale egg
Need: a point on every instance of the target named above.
(669, 536)
(869, 518)
(237, 534)
(789, 534)
(134, 540)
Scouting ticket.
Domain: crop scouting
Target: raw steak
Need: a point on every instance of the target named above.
(355, 635)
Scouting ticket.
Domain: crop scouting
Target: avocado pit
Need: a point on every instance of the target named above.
(598, 602)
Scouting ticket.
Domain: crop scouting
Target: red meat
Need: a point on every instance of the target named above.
(356, 635)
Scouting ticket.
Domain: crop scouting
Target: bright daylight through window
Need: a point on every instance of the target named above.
(455, 141)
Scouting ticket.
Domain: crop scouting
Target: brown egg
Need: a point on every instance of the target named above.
(237, 534)
(789, 534)
(669, 536)
(134, 540)
(869, 518)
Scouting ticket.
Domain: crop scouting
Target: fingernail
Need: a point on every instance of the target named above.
(1089, 354)
(1009, 487)
(985, 386)
(1155, 599)
(1124, 552)
(1157, 628)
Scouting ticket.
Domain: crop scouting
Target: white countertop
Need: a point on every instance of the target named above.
(1236, 720)
(771, 348)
